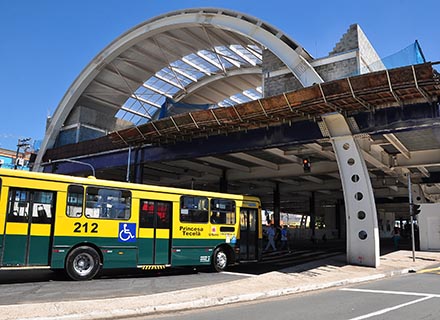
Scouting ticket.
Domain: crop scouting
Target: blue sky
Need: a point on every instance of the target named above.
(45, 44)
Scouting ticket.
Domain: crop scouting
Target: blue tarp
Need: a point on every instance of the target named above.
(410, 55)
(171, 108)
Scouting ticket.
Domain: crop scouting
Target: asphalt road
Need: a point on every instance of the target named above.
(27, 286)
(412, 296)
(45, 286)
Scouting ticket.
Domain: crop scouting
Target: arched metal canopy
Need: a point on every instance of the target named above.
(186, 55)
(210, 56)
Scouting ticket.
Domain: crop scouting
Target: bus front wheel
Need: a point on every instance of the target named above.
(83, 263)
(219, 259)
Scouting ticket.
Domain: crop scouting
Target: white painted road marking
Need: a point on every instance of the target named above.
(425, 296)
(402, 293)
(239, 274)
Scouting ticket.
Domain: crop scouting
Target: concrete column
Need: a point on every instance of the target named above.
(223, 183)
(360, 208)
(138, 167)
(312, 214)
(138, 173)
(276, 204)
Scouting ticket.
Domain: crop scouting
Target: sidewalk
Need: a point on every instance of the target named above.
(316, 275)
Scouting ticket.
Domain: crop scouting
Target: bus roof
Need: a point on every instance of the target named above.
(115, 184)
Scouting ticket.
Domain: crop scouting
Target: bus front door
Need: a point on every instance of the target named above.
(248, 234)
(154, 240)
(28, 229)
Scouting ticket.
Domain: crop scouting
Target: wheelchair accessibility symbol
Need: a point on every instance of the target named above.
(127, 232)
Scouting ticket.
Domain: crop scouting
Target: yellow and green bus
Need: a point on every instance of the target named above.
(82, 225)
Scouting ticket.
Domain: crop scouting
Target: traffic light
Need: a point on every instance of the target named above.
(415, 209)
(54, 167)
(306, 165)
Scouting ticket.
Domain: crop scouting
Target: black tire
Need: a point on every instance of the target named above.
(58, 274)
(220, 260)
(83, 263)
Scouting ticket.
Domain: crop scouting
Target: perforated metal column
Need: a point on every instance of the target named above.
(360, 208)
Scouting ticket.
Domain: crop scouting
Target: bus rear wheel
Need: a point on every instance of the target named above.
(83, 263)
(219, 260)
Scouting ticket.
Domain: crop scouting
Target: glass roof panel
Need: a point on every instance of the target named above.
(239, 98)
(229, 56)
(187, 70)
(249, 54)
(167, 73)
(227, 103)
(215, 59)
(136, 111)
(245, 96)
(252, 94)
(149, 96)
(161, 84)
(202, 63)
(172, 79)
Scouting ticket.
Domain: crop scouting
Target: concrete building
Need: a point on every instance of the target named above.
(8, 160)
(352, 55)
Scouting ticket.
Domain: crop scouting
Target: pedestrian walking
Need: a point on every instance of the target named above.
(396, 237)
(284, 238)
(271, 238)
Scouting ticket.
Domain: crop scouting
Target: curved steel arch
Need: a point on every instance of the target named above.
(208, 80)
(272, 38)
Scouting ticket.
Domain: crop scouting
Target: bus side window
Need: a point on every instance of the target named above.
(18, 209)
(222, 211)
(75, 196)
(155, 214)
(31, 204)
(147, 214)
(193, 209)
(105, 203)
(164, 214)
(42, 206)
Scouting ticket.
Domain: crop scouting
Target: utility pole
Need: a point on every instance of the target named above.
(411, 214)
(22, 144)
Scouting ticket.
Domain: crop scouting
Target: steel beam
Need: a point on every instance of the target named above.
(360, 208)
(255, 160)
(424, 158)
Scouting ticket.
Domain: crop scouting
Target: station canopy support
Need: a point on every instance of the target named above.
(360, 208)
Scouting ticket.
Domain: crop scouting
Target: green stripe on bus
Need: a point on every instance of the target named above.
(114, 254)
(21, 251)
(124, 255)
